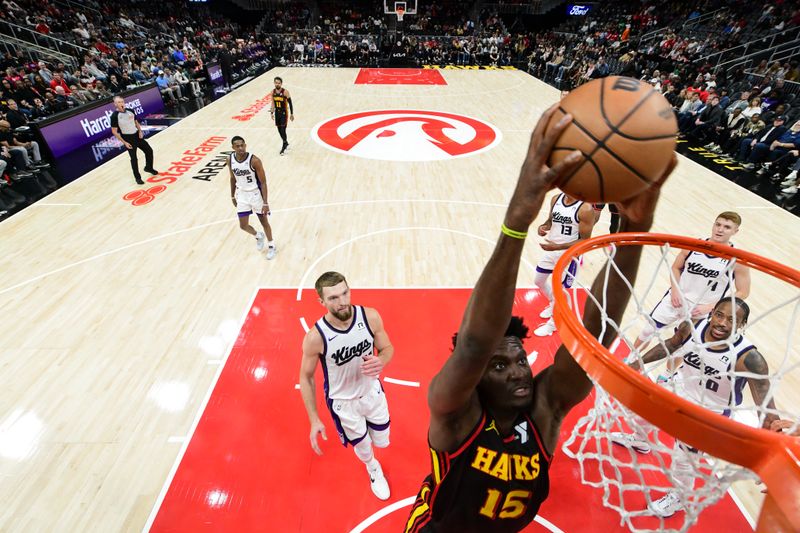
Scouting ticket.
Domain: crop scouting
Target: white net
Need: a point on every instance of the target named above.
(750, 373)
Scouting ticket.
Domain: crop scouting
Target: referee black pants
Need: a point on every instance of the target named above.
(137, 143)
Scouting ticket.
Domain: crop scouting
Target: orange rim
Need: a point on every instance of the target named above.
(775, 457)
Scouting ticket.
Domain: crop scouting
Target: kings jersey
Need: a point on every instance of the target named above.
(491, 483)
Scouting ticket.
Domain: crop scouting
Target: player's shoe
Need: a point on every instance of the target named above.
(546, 329)
(377, 481)
(284, 148)
(667, 505)
(629, 440)
(548, 312)
(271, 251)
(261, 239)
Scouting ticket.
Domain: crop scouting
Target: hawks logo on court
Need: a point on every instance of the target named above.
(406, 135)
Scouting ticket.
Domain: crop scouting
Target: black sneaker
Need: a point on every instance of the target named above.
(285, 146)
(151, 170)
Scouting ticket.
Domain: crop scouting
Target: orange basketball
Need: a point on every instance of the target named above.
(626, 131)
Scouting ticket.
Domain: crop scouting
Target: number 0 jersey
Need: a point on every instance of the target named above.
(491, 483)
(705, 376)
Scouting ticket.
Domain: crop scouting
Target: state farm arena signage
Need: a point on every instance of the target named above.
(63, 134)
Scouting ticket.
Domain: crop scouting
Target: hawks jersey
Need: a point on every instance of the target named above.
(705, 375)
(491, 483)
(342, 355)
(246, 178)
(279, 100)
(704, 279)
(564, 221)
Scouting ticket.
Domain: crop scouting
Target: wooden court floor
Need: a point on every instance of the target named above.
(120, 306)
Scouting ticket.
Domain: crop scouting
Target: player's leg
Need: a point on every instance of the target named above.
(375, 410)
(544, 269)
(352, 426)
(685, 461)
(271, 248)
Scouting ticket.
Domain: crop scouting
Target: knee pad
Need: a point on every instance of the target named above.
(364, 449)
(380, 438)
(647, 332)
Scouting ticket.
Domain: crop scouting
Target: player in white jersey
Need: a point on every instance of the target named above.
(353, 348)
(570, 221)
(700, 281)
(249, 194)
(708, 352)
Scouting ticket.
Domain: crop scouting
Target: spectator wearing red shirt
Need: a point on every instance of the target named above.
(58, 81)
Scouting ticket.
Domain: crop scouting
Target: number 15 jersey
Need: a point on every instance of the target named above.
(491, 483)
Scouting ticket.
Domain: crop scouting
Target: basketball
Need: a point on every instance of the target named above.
(627, 133)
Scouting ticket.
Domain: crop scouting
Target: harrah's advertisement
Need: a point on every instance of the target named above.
(64, 136)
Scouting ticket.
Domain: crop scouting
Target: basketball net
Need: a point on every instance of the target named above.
(632, 481)
(400, 11)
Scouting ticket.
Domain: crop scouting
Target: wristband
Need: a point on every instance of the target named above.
(512, 233)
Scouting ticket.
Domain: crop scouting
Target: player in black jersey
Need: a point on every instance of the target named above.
(494, 426)
(281, 100)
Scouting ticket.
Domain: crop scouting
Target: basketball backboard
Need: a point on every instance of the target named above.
(390, 7)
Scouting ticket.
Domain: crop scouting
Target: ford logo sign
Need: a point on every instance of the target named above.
(578, 10)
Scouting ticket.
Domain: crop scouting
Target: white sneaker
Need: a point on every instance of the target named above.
(629, 440)
(791, 189)
(377, 481)
(546, 329)
(667, 505)
(548, 312)
(271, 251)
(261, 239)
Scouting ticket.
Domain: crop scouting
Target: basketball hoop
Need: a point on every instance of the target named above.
(400, 11)
(775, 457)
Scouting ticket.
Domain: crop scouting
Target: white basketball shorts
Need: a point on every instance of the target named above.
(249, 202)
(354, 419)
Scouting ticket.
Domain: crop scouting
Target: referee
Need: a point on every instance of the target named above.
(127, 129)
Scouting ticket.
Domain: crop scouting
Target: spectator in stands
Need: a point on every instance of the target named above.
(58, 81)
(708, 120)
(753, 108)
(721, 134)
(14, 116)
(754, 150)
(114, 84)
(81, 94)
(780, 147)
(742, 103)
(10, 141)
(44, 72)
(689, 111)
(172, 93)
(40, 85)
(40, 109)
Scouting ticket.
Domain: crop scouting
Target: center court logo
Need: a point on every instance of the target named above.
(406, 135)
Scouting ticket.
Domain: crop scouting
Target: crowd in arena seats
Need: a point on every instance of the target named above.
(668, 44)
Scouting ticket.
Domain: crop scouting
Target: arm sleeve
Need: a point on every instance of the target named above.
(291, 107)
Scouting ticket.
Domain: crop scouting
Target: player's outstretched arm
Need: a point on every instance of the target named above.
(452, 390)
(659, 352)
(564, 384)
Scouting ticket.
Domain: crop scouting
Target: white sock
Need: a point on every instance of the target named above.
(373, 464)
(271, 244)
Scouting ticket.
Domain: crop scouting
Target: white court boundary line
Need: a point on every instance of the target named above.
(379, 232)
(231, 220)
(157, 505)
(389, 509)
